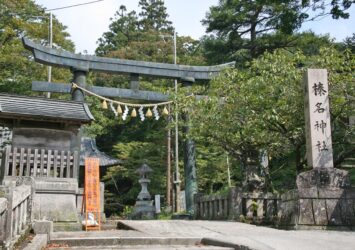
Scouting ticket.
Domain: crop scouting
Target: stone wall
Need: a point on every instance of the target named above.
(237, 205)
(325, 207)
(322, 207)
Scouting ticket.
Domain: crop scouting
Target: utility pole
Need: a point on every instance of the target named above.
(168, 163)
(177, 181)
(177, 171)
(50, 46)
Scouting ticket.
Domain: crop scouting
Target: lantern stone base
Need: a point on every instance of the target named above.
(143, 210)
(323, 199)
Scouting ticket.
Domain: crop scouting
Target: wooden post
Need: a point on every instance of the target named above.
(22, 153)
(55, 163)
(28, 162)
(41, 174)
(5, 163)
(35, 159)
(49, 162)
(14, 156)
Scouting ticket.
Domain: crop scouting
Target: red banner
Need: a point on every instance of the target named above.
(92, 191)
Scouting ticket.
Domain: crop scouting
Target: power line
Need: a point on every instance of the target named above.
(70, 6)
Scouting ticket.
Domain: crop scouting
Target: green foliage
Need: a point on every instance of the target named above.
(154, 16)
(261, 107)
(17, 70)
(127, 212)
(350, 43)
(243, 30)
(211, 161)
(164, 215)
(147, 37)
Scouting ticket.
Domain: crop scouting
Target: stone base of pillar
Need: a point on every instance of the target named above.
(143, 210)
(323, 199)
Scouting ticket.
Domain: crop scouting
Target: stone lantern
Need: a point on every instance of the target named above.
(144, 172)
(144, 208)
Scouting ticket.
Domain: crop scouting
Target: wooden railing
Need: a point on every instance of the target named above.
(15, 214)
(39, 162)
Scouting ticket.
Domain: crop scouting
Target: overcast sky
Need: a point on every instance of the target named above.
(88, 22)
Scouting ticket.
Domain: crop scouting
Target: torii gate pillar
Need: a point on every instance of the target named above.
(79, 77)
(189, 163)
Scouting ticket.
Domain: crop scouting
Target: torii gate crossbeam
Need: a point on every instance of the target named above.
(82, 64)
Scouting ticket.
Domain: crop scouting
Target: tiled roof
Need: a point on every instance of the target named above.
(89, 149)
(43, 108)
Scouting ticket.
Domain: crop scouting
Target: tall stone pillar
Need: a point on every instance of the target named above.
(324, 195)
(318, 131)
(318, 136)
(189, 164)
(79, 78)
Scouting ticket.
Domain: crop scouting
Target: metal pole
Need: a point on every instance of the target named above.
(177, 171)
(168, 162)
(50, 45)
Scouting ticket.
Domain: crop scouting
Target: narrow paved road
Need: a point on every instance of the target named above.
(254, 237)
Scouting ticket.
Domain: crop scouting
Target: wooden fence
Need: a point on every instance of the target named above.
(15, 214)
(39, 162)
(237, 205)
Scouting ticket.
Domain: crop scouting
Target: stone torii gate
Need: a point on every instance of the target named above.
(80, 65)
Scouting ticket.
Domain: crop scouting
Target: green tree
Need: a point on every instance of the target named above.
(350, 42)
(147, 37)
(122, 30)
(17, 70)
(261, 107)
(154, 16)
(246, 29)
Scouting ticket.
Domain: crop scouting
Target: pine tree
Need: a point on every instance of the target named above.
(154, 16)
(123, 30)
(243, 30)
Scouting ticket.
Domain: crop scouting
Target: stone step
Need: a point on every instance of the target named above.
(124, 239)
(118, 238)
(150, 247)
(129, 241)
(67, 226)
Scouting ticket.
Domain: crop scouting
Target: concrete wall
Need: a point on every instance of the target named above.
(55, 200)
